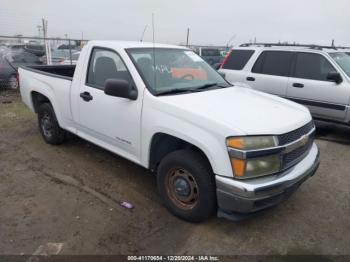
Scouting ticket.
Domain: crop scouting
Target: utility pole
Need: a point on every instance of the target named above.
(188, 36)
(47, 43)
(39, 30)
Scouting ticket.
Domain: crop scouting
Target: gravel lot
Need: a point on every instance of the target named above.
(65, 199)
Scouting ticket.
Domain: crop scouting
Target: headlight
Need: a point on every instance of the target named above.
(248, 168)
(245, 167)
(252, 142)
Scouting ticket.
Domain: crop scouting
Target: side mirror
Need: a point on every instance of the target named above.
(216, 66)
(120, 88)
(334, 77)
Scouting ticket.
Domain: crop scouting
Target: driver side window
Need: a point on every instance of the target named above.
(105, 64)
(312, 66)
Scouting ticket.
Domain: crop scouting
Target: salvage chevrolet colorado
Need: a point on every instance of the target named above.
(215, 148)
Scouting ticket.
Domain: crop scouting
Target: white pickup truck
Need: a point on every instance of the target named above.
(215, 148)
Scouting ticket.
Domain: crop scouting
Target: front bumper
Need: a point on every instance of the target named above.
(237, 198)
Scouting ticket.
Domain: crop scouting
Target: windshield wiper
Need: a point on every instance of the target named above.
(208, 85)
(174, 91)
(195, 89)
(205, 86)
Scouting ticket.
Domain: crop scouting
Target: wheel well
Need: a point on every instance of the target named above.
(38, 99)
(163, 144)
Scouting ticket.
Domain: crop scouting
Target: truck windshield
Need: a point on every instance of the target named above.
(343, 60)
(170, 71)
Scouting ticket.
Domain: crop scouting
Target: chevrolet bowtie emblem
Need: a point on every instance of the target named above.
(299, 143)
(303, 140)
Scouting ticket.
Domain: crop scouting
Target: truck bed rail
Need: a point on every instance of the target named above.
(59, 71)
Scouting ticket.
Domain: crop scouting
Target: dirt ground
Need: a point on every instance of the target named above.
(65, 199)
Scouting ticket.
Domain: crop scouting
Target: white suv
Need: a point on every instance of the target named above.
(315, 76)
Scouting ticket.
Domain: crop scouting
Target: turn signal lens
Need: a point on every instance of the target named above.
(236, 142)
(238, 166)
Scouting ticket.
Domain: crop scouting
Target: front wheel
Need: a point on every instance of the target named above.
(187, 185)
(48, 125)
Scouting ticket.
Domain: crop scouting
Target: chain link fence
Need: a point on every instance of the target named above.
(16, 51)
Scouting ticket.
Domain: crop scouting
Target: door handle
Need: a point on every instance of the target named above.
(298, 85)
(249, 78)
(86, 96)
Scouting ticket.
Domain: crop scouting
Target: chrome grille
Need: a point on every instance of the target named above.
(296, 134)
(291, 158)
(297, 155)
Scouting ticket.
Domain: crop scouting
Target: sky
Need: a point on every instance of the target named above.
(210, 22)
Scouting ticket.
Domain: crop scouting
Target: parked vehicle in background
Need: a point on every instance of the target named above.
(217, 66)
(35, 49)
(67, 47)
(57, 56)
(8, 75)
(3, 49)
(71, 60)
(315, 76)
(20, 58)
(214, 147)
(62, 57)
(9, 63)
(210, 55)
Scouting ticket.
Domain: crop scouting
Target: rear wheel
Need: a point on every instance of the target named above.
(187, 185)
(48, 125)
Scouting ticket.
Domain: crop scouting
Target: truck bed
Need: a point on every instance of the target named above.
(61, 71)
(53, 82)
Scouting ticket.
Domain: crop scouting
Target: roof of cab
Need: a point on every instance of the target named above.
(131, 44)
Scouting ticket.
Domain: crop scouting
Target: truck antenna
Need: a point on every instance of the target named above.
(143, 33)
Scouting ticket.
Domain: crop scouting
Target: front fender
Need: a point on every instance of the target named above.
(211, 145)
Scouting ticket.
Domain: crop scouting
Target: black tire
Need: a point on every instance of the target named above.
(48, 125)
(185, 165)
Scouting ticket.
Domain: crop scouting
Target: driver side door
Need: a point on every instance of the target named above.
(309, 86)
(109, 121)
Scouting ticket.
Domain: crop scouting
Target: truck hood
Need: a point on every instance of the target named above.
(241, 110)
